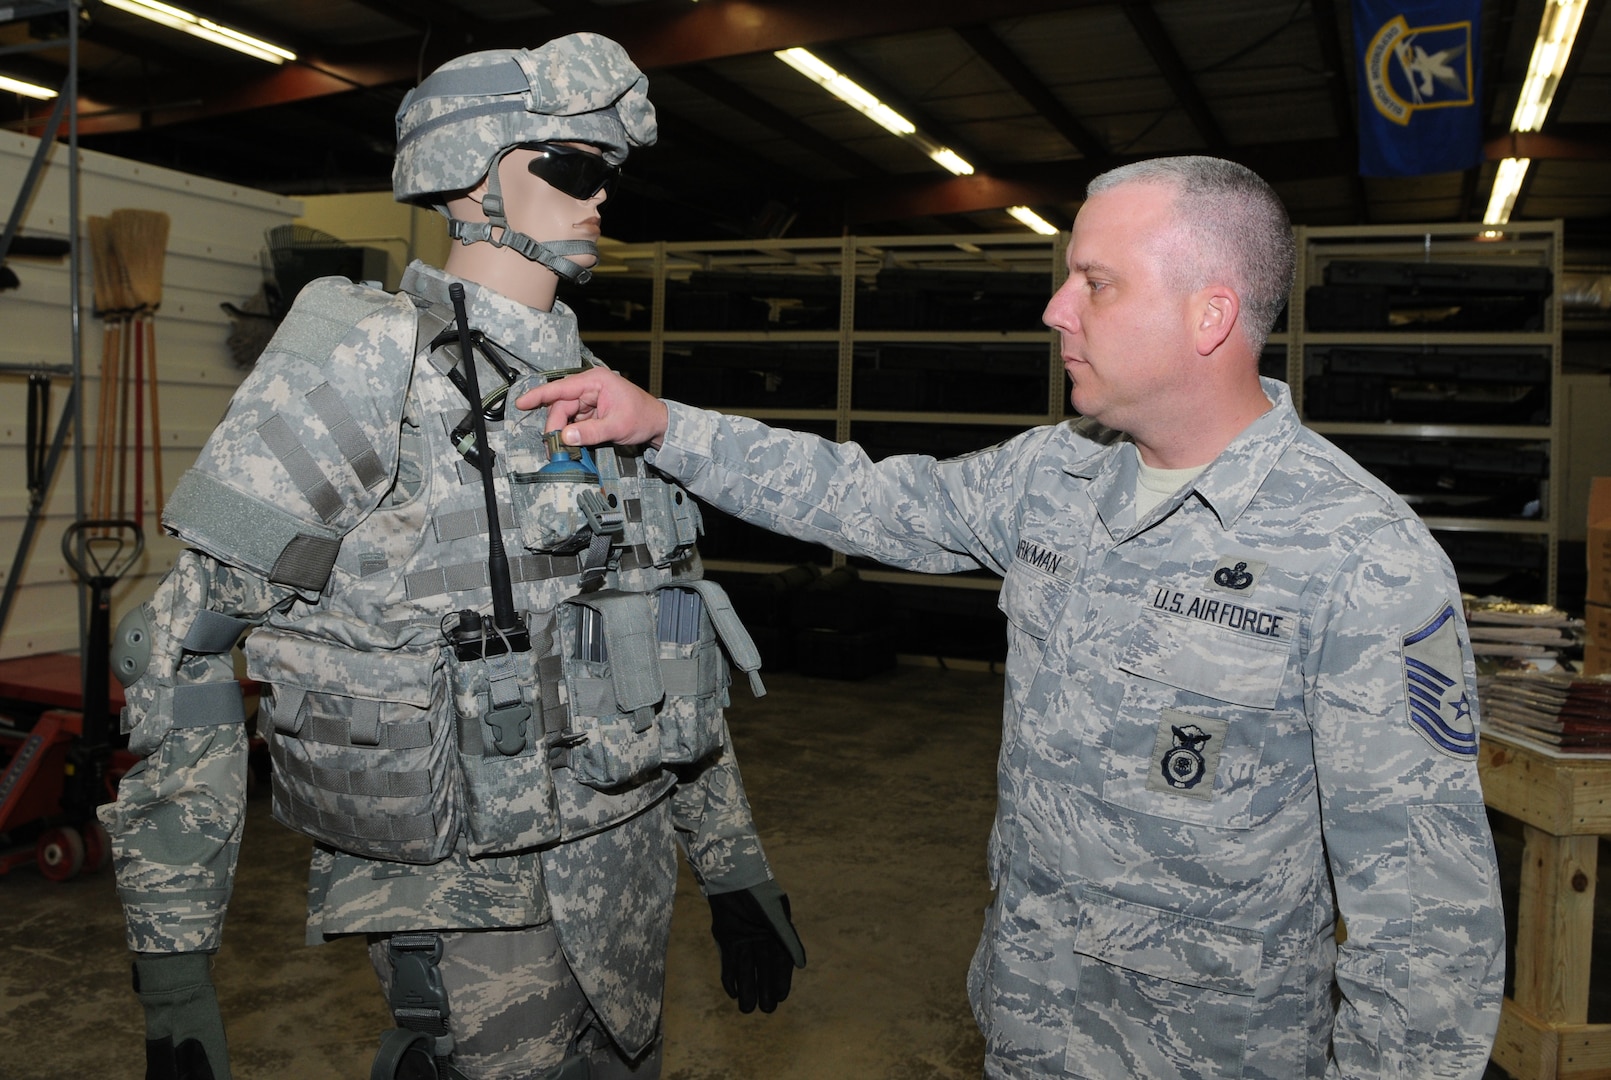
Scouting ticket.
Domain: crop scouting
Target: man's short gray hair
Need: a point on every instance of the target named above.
(1231, 228)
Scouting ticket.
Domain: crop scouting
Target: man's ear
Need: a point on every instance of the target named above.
(1217, 309)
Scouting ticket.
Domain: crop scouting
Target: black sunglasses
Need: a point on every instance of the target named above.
(577, 173)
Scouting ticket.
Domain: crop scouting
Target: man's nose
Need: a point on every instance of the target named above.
(1059, 313)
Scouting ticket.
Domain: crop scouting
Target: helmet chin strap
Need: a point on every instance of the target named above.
(550, 253)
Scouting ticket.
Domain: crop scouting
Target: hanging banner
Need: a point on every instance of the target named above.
(1418, 86)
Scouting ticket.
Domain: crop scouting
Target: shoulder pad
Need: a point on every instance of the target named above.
(309, 444)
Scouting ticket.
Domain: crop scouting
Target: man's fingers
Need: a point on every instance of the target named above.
(587, 432)
(560, 412)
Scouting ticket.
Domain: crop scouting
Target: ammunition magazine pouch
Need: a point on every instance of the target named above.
(646, 678)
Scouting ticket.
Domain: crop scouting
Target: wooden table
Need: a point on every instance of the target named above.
(1564, 807)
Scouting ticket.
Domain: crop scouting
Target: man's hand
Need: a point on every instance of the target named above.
(598, 406)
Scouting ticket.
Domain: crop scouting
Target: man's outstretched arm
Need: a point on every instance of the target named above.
(598, 406)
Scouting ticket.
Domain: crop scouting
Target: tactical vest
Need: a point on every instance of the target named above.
(385, 742)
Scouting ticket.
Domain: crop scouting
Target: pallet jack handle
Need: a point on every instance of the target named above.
(100, 553)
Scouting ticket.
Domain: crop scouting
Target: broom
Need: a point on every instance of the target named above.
(111, 304)
(142, 245)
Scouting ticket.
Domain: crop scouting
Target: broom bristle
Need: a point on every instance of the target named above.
(112, 292)
(141, 237)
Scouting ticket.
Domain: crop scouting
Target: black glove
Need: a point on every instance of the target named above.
(184, 1031)
(760, 949)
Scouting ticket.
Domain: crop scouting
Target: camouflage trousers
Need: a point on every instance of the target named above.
(517, 1011)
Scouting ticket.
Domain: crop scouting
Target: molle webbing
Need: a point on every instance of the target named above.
(389, 829)
(362, 729)
(462, 523)
(299, 463)
(350, 438)
(465, 577)
(370, 782)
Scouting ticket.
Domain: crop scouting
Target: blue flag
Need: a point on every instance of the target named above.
(1418, 86)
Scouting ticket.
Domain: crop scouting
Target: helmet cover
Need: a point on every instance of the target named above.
(578, 88)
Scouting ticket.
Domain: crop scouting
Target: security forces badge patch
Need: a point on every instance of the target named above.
(1185, 757)
(1434, 680)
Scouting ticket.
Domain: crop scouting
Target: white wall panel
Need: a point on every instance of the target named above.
(213, 257)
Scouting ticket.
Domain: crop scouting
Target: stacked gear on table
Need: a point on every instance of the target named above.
(458, 769)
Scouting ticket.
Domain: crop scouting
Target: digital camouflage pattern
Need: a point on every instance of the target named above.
(379, 736)
(578, 88)
(1207, 744)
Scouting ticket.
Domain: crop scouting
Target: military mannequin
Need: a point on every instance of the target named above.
(496, 737)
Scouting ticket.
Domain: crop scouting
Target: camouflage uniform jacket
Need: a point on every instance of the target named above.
(1225, 722)
(421, 823)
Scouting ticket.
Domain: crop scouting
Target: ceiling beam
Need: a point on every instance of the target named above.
(1563, 142)
(425, 15)
(1150, 29)
(1337, 62)
(659, 34)
(925, 122)
(1064, 182)
(763, 112)
(671, 32)
(1027, 85)
(1497, 31)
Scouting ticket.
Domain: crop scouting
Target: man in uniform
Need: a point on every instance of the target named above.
(495, 737)
(1239, 693)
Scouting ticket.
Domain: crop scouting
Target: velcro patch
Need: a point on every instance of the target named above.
(1435, 686)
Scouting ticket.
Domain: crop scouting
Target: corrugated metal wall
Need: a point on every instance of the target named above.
(215, 237)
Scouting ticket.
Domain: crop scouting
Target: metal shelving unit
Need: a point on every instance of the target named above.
(1526, 246)
(65, 110)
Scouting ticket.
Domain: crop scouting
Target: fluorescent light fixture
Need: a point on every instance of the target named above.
(947, 158)
(206, 29)
(1557, 31)
(1507, 182)
(812, 67)
(851, 93)
(1033, 220)
(26, 89)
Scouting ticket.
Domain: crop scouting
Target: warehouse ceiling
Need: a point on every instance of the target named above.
(1038, 95)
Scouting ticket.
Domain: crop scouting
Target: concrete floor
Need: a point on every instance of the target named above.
(874, 799)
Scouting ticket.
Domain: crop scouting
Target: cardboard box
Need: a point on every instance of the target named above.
(1597, 650)
(1600, 543)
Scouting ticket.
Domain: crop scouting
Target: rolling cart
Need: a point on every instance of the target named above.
(60, 765)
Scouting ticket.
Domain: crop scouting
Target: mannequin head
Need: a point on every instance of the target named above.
(458, 131)
(559, 221)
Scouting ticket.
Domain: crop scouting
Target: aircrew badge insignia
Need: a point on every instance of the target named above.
(1440, 703)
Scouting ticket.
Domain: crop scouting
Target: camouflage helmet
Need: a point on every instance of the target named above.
(456, 126)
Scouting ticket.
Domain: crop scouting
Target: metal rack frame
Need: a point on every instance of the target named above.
(66, 108)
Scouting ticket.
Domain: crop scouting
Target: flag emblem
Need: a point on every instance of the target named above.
(1419, 78)
(1410, 68)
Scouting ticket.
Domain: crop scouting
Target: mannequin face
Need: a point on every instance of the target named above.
(543, 212)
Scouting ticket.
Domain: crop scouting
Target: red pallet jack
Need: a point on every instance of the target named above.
(61, 767)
